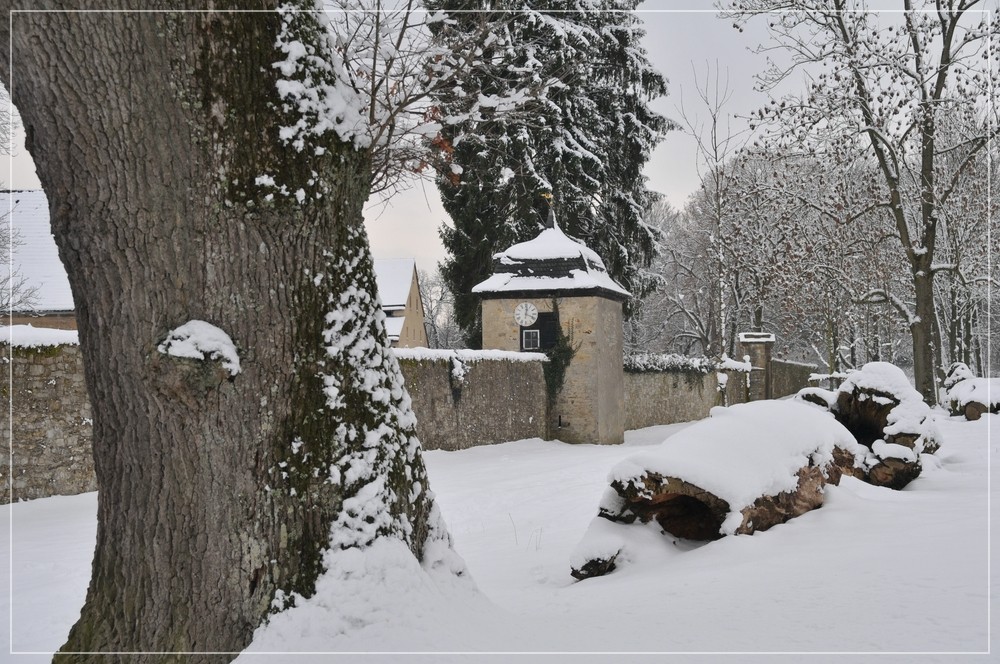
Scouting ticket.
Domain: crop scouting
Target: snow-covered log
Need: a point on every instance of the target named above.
(883, 411)
(970, 395)
(744, 469)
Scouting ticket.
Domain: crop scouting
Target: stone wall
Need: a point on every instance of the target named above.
(461, 398)
(789, 377)
(52, 425)
(668, 397)
(467, 398)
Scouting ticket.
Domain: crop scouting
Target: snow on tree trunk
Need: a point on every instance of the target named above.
(173, 199)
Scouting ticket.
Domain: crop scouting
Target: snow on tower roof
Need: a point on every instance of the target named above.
(37, 258)
(552, 261)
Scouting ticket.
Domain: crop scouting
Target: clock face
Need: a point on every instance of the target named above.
(525, 314)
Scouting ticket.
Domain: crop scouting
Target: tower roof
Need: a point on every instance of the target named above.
(552, 261)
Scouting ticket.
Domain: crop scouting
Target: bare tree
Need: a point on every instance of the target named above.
(654, 324)
(880, 85)
(16, 293)
(439, 311)
(717, 142)
(395, 63)
(964, 282)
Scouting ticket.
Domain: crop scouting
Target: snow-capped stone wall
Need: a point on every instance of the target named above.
(789, 377)
(468, 398)
(682, 395)
(51, 422)
(461, 399)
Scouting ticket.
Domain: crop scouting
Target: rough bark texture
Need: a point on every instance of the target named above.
(215, 491)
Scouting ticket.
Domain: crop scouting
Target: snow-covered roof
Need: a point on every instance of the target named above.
(37, 259)
(393, 277)
(756, 337)
(552, 261)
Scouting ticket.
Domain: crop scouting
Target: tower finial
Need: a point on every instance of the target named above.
(550, 218)
(550, 221)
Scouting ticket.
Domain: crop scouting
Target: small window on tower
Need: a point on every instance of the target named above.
(530, 340)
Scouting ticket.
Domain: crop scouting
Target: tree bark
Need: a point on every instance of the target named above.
(149, 131)
(925, 334)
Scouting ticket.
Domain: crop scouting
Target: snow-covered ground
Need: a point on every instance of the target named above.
(873, 571)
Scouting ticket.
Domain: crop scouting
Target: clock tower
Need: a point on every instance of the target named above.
(554, 284)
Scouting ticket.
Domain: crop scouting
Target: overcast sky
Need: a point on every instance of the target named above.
(679, 43)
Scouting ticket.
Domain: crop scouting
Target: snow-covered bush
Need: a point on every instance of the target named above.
(673, 362)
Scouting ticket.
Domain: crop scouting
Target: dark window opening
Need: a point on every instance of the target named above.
(543, 333)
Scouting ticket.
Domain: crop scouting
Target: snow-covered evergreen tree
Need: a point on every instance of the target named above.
(581, 141)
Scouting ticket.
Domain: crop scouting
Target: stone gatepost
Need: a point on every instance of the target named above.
(556, 284)
(757, 346)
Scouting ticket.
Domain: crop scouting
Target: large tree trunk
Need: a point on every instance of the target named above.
(149, 132)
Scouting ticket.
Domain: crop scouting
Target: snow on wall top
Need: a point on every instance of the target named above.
(464, 355)
(746, 451)
(393, 277)
(37, 259)
(26, 336)
(552, 261)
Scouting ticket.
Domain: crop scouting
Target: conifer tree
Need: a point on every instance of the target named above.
(583, 137)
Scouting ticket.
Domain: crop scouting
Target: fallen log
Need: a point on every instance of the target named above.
(969, 395)
(884, 412)
(747, 468)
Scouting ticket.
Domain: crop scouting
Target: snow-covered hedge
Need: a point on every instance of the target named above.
(673, 362)
(465, 356)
